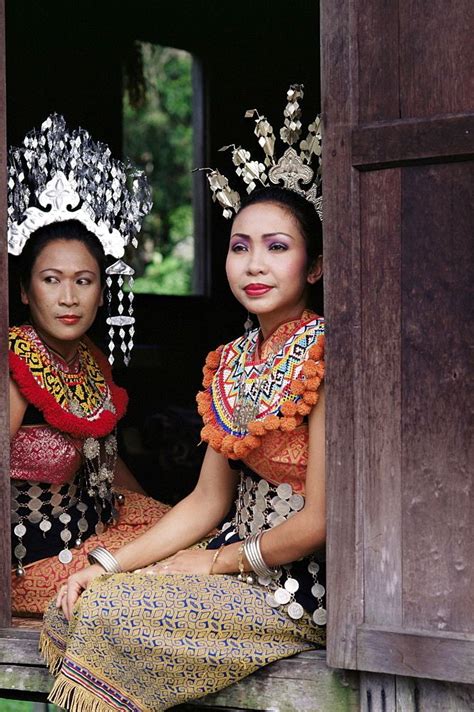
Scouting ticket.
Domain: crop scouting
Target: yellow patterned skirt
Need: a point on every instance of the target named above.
(146, 643)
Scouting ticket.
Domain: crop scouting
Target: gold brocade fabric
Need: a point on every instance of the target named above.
(147, 643)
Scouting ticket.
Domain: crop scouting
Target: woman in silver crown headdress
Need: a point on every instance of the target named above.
(161, 621)
(66, 479)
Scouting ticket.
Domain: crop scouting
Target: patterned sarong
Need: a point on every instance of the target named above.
(32, 593)
(148, 642)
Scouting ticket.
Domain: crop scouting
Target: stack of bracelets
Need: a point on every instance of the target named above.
(250, 548)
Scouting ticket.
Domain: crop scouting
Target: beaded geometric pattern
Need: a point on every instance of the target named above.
(267, 383)
(87, 389)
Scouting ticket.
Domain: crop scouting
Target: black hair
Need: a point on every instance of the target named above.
(309, 223)
(65, 230)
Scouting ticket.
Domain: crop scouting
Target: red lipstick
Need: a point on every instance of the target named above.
(257, 290)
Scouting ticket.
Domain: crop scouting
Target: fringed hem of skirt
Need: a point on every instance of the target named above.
(72, 697)
(51, 653)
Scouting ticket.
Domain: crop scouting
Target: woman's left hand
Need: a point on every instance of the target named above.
(188, 561)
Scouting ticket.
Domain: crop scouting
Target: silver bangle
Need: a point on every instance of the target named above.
(253, 554)
(104, 558)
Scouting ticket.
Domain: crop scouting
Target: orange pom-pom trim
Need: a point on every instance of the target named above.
(297, 387)
(256, 427)
(310, 397)
(292, 414)
(288, 408)
(303, 409)
(271, 422)
(309, 369)
(288, 424)
(312, 384)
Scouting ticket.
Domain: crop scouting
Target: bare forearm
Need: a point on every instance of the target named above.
(184, 525)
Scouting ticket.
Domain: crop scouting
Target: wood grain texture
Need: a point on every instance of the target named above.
(378, 80)
(436, 57)
(393, 143)
(5, 506)
(440, 657)
(380, 442)
(437, 426)
(343, 334)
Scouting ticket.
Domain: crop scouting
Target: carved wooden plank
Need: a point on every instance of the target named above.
(380, 397)
(391, 143)
(438, 449)
(343, 335)
(418, 695)
(438, 656)
(436, 57)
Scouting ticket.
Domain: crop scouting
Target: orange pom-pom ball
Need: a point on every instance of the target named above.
(310, 397)
(320, 369)
(215, 440)
(256, 427)
(303, 409)
(240, 449)
(271, 422)
(287, 424)
(316, 352)
(297, 387)
(213, 359)
(227, 443)
(207, 379)
(251, 441)
(312, 384)
(310, 369)
(288, 408)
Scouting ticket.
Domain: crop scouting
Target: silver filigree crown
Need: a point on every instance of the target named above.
(59, 175)
(291, 171)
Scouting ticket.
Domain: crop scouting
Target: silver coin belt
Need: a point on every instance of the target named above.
(37, 504)
(261, 506)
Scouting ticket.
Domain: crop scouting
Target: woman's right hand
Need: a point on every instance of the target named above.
(74, 586)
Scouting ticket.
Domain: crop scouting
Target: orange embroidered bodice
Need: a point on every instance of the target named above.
(278, 382)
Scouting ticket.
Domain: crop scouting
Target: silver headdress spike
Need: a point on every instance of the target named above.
(59, 175)
(293, 170)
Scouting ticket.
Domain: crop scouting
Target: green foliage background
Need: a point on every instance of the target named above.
(158, 136)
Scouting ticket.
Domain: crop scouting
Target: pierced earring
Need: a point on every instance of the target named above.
(248, 324)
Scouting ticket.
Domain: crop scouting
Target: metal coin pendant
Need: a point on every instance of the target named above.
(295, 610)
(35, 517)
(19, 530)
(19, 551)
(318, 590)
(320, 616)
(313, 567)
(282, 596)
(291, 585)
(45, 525)
(65, 518)
(270, 599)
(65, 556)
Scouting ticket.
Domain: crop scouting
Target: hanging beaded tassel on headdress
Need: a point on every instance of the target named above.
(292, 171)
(60, 175)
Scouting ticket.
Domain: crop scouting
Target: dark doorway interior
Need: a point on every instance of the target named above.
(68, 58)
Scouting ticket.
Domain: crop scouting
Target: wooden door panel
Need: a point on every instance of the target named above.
(437, 337)
(399, 222)
(379, 439)
(436, 57)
